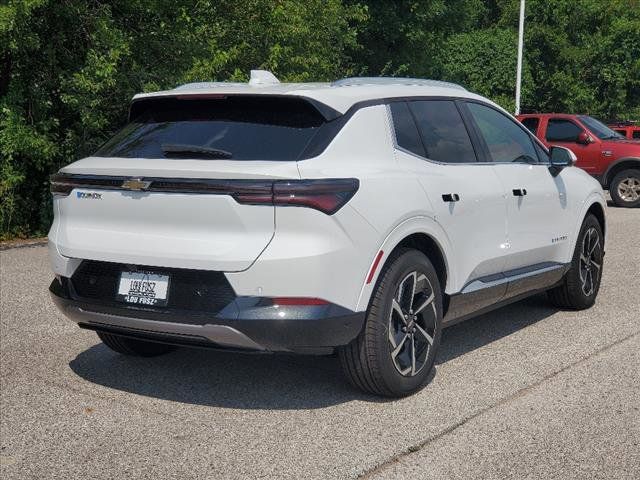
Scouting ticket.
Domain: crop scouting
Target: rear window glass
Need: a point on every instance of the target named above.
(443, 132)
(236, 128)
(407, 135)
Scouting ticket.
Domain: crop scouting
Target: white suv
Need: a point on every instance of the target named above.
(358, 217)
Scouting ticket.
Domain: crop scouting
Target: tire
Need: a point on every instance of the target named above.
(625, 188)
(379, 360)
(133, 347)
(580, 285)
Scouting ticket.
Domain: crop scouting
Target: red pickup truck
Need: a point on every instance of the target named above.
(626, 129)
(610, 157)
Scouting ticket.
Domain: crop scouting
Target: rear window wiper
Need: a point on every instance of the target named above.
(179, 150)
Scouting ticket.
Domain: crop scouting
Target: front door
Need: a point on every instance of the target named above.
(538, 220)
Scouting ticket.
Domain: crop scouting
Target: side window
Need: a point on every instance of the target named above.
(621, 132)
(561, 130)
(531, 123)
(506, 140)
(407, 135)
(443, 132)
(636, 134)
(543, 155)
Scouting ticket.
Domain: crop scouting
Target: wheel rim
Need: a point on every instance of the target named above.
(629, 189)
(412, 324)
(590, 263)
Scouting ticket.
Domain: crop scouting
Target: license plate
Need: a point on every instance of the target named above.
(142, 288)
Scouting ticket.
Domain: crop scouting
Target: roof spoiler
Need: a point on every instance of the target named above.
(136, 107)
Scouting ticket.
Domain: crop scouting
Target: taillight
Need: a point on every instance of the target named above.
(326, 195)
(63, 184)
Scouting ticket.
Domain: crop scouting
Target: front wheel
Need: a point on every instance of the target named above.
(395, 352)
(581, 283)
(625, 188)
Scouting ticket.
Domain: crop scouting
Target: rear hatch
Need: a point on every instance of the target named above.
(186, 183)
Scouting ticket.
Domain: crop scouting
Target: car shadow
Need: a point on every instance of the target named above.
(280, 382)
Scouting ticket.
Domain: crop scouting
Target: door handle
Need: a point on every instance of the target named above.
(450, 197)
(519, 192)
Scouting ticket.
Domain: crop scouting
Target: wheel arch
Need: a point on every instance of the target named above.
(598, 211)
(594, 204)
(618, 166)
(419, 233)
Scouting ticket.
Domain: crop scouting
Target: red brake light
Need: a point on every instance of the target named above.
(326, 195)
(298, 301)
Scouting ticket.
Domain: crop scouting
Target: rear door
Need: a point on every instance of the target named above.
(184, 184)
(466, 197)
(538, 219)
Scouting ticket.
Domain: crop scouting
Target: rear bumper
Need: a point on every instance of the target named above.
(244, 324)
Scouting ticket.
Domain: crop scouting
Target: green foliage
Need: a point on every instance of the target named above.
(484, 61)
(68, 68)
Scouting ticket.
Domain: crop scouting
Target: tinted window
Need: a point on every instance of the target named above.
(531, 123)
(543, 155)
(442, 130)
(621, 132)
(506, 140)
(636, 134)
(598, 128)
(247, 128)
(407, 135)
(560, 130)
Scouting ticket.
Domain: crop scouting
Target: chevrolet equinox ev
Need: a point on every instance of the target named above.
(358, 217)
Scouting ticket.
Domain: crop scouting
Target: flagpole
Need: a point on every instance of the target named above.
(520, 48)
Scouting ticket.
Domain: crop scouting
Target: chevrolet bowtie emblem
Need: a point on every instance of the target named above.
(135, 184)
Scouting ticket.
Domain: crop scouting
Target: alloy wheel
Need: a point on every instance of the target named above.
(590, 263)
(629, 189)
(412, 323)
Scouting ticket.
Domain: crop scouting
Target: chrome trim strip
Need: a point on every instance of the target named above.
(505, 277)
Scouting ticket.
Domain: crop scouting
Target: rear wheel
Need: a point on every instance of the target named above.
(581, 283)
(625, 188)
(133, 347)
(395, 352)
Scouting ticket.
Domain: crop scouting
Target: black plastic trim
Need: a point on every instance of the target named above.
(300, 328)
(323, 109)
(606, 177)
(503, 288)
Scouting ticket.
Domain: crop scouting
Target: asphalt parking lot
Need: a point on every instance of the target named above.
(524, 392)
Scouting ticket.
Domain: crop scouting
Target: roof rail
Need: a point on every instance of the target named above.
(353, 81)
(199, 85)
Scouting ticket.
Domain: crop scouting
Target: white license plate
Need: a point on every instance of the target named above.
(142, 288)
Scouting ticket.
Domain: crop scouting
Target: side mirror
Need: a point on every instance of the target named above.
(584, 138)
(562, 157)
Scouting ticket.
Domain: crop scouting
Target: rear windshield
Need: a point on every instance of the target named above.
(236, 128)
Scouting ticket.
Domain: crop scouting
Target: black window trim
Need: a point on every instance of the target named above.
(479, 146)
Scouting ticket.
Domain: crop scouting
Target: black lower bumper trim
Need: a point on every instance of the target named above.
(314, 330)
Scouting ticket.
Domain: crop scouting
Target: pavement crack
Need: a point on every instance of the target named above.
(367, 474)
